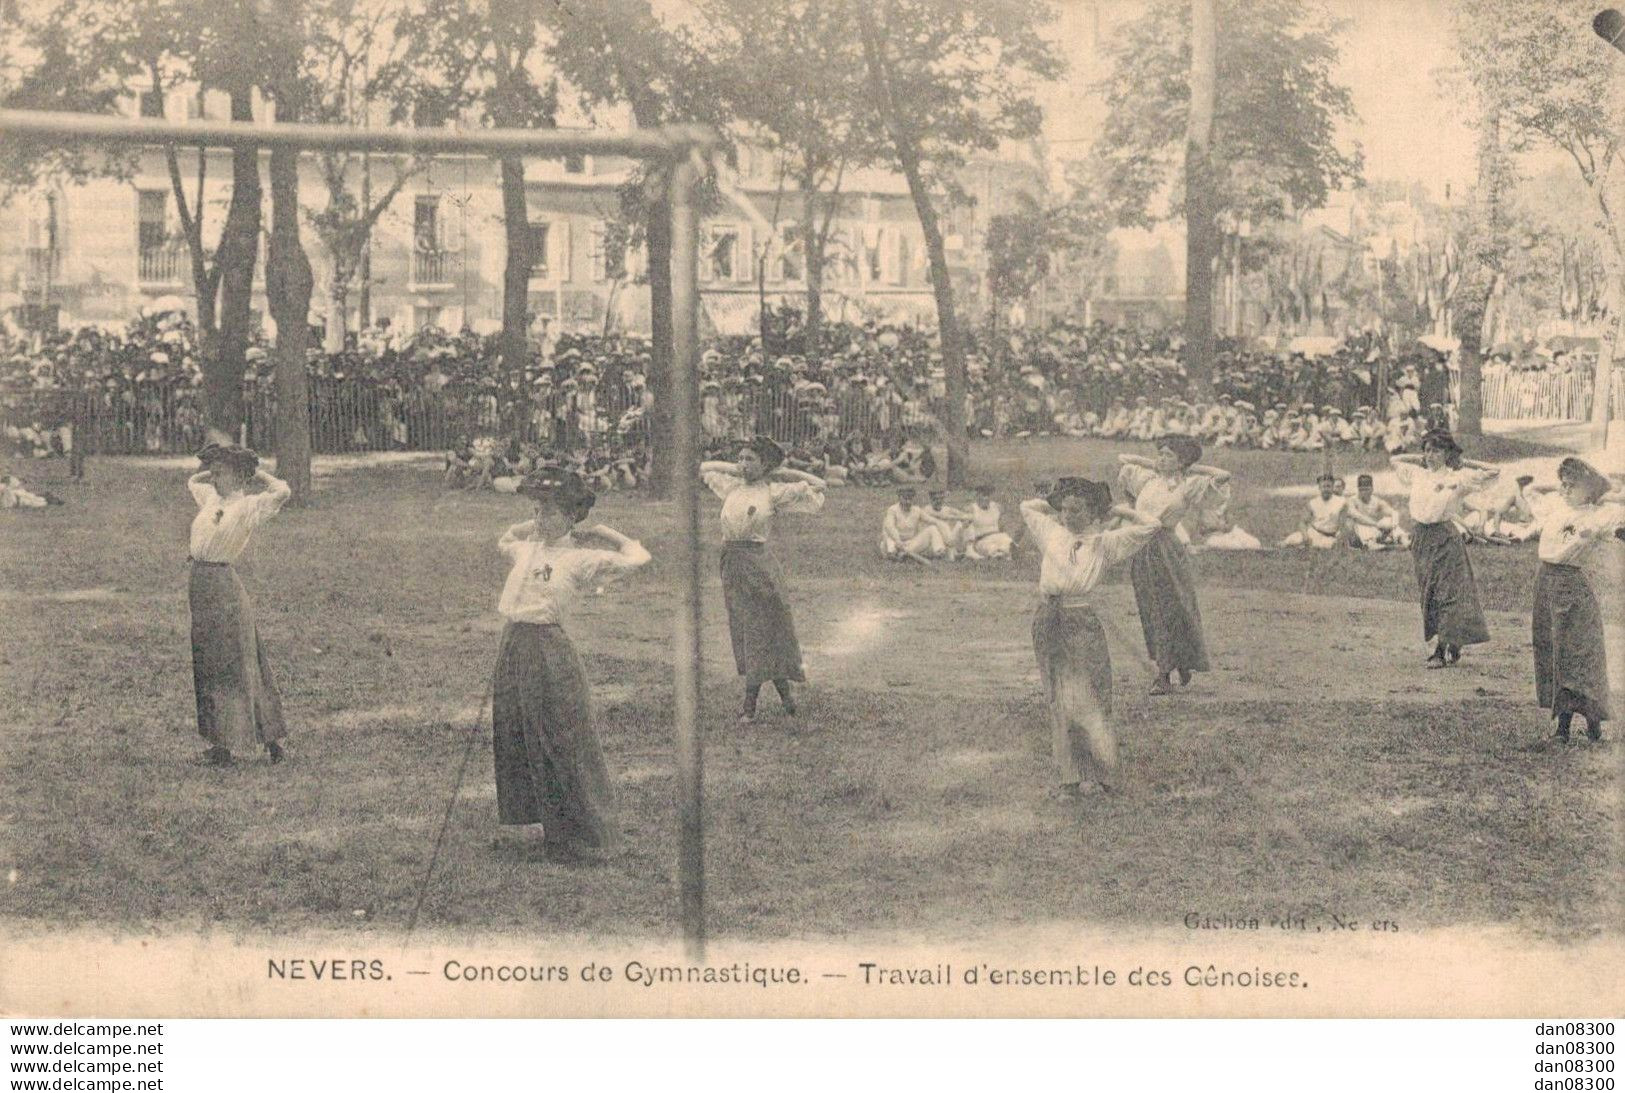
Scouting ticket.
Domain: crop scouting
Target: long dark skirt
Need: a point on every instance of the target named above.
(549, 766)
(238, 707)
(1571, 661)
(759, 622)
(1169, 615)
(1444, 577)
(1075, 668)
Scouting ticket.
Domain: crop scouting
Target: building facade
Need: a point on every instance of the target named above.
(102, 251)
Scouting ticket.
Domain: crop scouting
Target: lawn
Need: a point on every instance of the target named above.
(1316, 766)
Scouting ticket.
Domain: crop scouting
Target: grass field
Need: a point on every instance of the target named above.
(1317, 766)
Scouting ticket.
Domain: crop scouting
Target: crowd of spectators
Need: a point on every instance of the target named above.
(869, 390)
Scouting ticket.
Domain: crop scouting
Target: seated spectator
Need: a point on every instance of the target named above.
(1322, 526)
(908, 531)
(1373, 524)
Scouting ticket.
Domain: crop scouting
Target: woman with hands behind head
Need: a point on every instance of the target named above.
(1070, 527)
(549, 765)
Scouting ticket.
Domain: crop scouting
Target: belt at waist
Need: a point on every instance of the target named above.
(1065, 604)
(199, 561)
(745, 544)
(1564, 565)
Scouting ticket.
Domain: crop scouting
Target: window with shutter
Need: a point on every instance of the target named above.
(541, 259)
(595, 250)
(721, 258)
(791, 263)
(429, 263)
(745, 263)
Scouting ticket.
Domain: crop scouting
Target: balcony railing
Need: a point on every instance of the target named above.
(432, 267)
(161, 265)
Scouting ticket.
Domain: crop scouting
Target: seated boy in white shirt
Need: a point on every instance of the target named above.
(954, 523)
(1373, 524)
(1322, 527)
(984, 540)
(911, 532)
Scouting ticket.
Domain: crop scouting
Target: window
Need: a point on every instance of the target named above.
(42, 225)
(158, 260)
(575, 164)
(426, 223)
(539, 238)
(152, 230)
(152, 104)
(875, 240)
(595, 248)
(905, 255)
(721, 259)
(840, 260)
(792, 263)
(425, 316)
(430, 265)
(41, 253)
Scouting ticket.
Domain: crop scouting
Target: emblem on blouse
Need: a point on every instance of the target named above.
(751, 511)
(218, 513)
(545, 573)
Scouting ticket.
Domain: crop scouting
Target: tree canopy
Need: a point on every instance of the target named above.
(1274, 146)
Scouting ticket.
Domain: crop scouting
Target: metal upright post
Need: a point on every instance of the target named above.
(685, 388)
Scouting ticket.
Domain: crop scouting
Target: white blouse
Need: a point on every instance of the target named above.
(1436, 496)
(547, 578)
(1074, 564)
(1579, 535)
(221, 528)
(748, 508)
(1159, 497)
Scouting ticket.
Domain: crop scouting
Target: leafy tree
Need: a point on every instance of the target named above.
(91, 55)
(348, 54)
(485, 56)
(1026, 245)
(947, 77)
(618, 53)
(1548, 82)
(1272, 149)
(774, 63)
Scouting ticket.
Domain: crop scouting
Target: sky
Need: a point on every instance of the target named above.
(1393, 54)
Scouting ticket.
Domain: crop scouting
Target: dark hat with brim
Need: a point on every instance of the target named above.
(1096, 496)
(245, 461)
(1577, 470)
(559, 486)
(768, 449)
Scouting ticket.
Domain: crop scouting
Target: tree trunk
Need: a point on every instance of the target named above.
(763, 325)
(1201, 230)
(953, 357)
(1602, 381)
(289, 281)
(812, 256)
(338, 306)
(239, 251)
(908, 155)
(513, 345)
(1470, 412)
(657, 240)
(288, 285)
